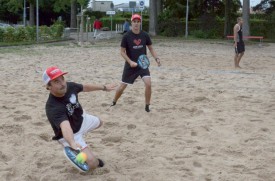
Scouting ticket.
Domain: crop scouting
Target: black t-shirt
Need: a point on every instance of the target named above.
(135, 45)
(59, 109)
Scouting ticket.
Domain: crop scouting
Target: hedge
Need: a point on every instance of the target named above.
(209, 29)
(28, 34)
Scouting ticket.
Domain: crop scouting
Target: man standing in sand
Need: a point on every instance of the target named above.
(66, 115)
(133, 45)
(126, 26)
(238, 42)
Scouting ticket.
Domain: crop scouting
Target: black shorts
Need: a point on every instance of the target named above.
(130, 74)
(240, 47)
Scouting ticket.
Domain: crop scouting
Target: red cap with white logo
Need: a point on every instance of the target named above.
(52, 73)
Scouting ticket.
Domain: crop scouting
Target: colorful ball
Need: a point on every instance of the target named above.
(81, 157)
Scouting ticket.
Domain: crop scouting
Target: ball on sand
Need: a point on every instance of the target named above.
(81, 157)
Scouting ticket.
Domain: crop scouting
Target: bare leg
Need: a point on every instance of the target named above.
(236, 60)
(148, 91)
(239, 59)
(92, 161)
(119, 91)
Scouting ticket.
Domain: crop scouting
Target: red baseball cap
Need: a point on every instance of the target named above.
(52, 73)
(136, 16)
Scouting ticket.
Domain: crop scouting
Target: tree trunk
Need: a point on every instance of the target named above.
(246, 20)
(31, 23)
(227, 21)
(73, 14)
(153, 17)
(159, 7)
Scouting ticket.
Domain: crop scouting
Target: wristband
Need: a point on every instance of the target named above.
(104, 88)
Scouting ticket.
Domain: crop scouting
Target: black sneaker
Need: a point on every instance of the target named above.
(100, 163)
(147, 108)
(113, 104)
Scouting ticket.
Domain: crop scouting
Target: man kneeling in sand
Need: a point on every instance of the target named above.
(66, 115)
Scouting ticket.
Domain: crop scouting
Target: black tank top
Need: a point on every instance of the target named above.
(240, 35)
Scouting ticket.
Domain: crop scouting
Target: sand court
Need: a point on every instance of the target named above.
(208, 121)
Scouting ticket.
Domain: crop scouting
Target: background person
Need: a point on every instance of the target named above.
(238, 42)
(97, 26)
(126, 26)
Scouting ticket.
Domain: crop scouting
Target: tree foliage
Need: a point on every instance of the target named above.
(197, 8)
(266, 6)
(11, 11)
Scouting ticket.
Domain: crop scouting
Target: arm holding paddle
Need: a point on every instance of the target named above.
(67, 133)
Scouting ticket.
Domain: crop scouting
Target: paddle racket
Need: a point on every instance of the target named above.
(71, 154)
(143, 62)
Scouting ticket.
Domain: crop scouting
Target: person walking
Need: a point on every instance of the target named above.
(134, 44)
(68, 119)
(97, 26)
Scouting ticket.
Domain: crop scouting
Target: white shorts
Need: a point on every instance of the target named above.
(89, 123)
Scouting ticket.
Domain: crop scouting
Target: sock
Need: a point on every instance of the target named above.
(100, 163)
(147, 108)
(114, 103)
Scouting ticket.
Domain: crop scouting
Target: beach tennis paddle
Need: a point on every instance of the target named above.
(143, 62)
(71, 154)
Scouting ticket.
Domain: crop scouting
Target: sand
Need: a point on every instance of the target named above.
(209, 121)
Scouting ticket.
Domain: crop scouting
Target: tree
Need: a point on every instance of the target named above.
(31, 14)
(266, 6)
(246, 14)
(9, 10)
(159, 7)
(153, 17)
(227, 18)
(175, 8)
(73, 14)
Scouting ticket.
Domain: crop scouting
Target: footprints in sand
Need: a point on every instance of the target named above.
(110, 140)
(45, 137)
(11, 129)
(193, 133)
(113, 139)
(197, 164)
(22, 118)
(131, 126)
(201, 99)
(4, 157)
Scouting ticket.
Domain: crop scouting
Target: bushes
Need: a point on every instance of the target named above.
(31, 33)
(20, 34)
(213, 29)
(8, 35)
(209, 34)
(2, 31)
(28, 34)
(170, 27)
